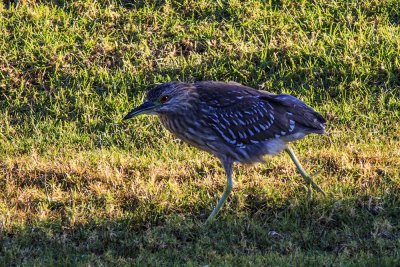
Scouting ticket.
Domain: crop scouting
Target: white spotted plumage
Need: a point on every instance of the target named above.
(249, 123)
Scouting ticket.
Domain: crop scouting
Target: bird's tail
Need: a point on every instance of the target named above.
(310, 120)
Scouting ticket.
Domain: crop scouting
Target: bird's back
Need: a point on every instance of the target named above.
(233, 100)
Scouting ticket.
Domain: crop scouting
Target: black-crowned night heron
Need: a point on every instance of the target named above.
(234, 122)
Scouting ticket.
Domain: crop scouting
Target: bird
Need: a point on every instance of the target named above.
(234, 122)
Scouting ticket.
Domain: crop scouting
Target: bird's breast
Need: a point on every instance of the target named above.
(192, 131)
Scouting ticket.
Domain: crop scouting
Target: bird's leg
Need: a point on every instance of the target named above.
(228, 169)
(303, 173)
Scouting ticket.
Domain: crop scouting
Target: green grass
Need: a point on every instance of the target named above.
(79, 187)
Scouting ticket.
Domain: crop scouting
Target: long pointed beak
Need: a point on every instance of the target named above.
(142, 109)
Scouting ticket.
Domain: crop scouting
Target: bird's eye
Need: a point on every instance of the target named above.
(164, 99)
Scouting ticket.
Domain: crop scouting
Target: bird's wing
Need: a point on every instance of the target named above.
(249, 121)
(303, 115)
(242, 115)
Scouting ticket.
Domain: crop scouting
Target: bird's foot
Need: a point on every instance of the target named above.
(310, 183)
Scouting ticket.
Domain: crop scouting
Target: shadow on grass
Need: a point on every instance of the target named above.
(325, 231)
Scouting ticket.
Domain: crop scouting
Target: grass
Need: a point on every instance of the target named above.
(79, 187)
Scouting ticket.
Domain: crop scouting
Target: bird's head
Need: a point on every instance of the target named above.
(169, 97)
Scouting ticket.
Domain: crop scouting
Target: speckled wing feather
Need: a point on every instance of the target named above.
(303, 115)
(242, 115)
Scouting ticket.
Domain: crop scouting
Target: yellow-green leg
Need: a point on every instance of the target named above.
(303, 173)
(228, 169)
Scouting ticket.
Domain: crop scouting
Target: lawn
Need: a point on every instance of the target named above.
(80, 187)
